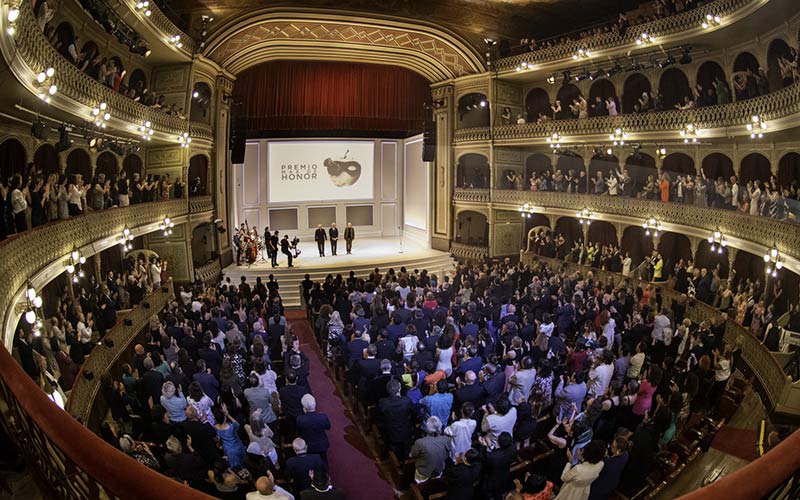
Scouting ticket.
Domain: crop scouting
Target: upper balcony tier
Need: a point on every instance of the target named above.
(781, 109)
(674, 29)
(28, 53)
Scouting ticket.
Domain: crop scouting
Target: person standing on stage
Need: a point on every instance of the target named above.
(349, 236)
(334, 234)
(274, 241)
(285, 249)
(320, 237)
(266, 242)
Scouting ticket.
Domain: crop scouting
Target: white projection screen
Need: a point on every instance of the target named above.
(300, 171)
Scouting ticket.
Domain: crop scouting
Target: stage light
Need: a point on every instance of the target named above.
(567, 77)
(551, 80)
(686, 57)
(669, 61)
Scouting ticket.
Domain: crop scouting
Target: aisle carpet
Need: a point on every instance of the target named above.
(352, 467)
(742, 443)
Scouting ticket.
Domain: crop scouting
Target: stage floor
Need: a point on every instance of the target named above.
(376, 250)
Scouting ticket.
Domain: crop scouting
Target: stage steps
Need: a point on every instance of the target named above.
(289, 278)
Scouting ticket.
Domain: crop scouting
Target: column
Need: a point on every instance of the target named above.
(442, 178)
(220, 166)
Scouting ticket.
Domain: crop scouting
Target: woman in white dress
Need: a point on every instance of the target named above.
(755, 197)
(626, 265)
(578, 479)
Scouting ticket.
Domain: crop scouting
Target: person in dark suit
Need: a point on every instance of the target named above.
(366, 369)
(151, 383)
(285, 249)
(298, 466)
(333, 232)
(313, 426)
(321, 488)
(291, 396)
(470, 391)
(320, 237)
(349, 236)
(396, 424)
(497, 466)
(462, 476)
(273, 244)
(355, 348)
(493, 387)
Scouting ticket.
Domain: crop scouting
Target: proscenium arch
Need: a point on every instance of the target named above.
(312, 34)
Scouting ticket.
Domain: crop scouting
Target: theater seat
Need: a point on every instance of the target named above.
(430, 489)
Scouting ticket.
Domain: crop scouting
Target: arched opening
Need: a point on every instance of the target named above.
(749, 266)
(602, 233)
(573, 165)
(537, 103)
(674, 87)
(90, 50)
(636, 244)
(137, 81)
(472, 171)
(570, 229)
(473, 111)
(744, 63)
(198, 175)
(718, 165)
(635, 85)
(538, 164)
(120, 68)
(79, 163)
(65, 35)
(13, 158)
(777, 50)
(603, 89)
(711, 77)
(674, 247)
(540, 222)
(754, 166)
(605, 164)
(107, 165)
(46, 159)
(680, 164)
(566, 94)
(789, 169)
(705, 258)
(203, 250)
(472, 228)
(201, 102)
(132, 164)
(639, 167)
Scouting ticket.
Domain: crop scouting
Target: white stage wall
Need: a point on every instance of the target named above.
(417, 190)
(375, 202)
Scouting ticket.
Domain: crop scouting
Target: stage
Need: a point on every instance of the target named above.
(367, 254)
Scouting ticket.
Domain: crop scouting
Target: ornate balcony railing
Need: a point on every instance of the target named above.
(463, 251)
(83, 402)
(779, 104)
(759, 230)
(208, 273)
(774, 384)
(471, 195)
(35, 51)
(686, 21)
(164, 25)
(200, 204)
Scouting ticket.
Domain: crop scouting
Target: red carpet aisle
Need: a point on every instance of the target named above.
(351, 465)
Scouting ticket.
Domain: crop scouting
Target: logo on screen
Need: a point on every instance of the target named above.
(343, 172)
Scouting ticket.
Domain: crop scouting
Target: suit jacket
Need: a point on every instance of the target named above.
(496, 470)
(472, 393)
(396, 419)
(333, 232)
(297, 469)
(366, 370)
(290, 396)
(349, 233)
(355, 351)
(312, 428)
(320, 236)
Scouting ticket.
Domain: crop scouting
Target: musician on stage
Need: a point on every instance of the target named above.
(238, 245)
(334, 234)
(320, 237)
(285, 249)
(266, 241)
(273, 244)
(349, 236)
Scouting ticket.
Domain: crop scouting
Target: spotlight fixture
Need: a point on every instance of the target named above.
(144, 8)
(551, 79)
(661, 152)
(689, 133)
(584, 216)
(669, 61)
(618, 136)
(645, 39)
(582, 53)
(166, 226)
(597, 74)
(125, 241)
(483, 103)
(613, 71)
(711, 20)
(756, 127)
(64, 141)
(176, 41)
(526, 211)
(195, 94)
(652, 226)
(146, 130)
(774, 262)
(609, 152)
(717, 241)
(583, 75)
(686, 57)
(554, 140)
(184, 140)
(12, 16)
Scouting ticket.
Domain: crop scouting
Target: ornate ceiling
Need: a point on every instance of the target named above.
(472, 19)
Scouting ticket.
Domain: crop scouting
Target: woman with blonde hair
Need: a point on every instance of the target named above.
(173, 400)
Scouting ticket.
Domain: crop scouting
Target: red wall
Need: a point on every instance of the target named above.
(332, 98)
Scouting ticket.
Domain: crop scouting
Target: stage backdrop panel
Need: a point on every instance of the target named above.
(320, 170)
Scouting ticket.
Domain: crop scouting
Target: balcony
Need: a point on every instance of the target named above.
(684, 25)
(208, 273)
(778, 108)
(162, 26)
(200, 204)
(78, 93)
(471, 195)
(463, 251)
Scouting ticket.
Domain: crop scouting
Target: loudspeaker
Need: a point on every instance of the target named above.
(429, 138)
(238, 139)
(428, 152)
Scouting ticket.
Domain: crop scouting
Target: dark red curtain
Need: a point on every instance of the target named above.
(331, 97)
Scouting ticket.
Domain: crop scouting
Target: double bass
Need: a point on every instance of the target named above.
(250, 244)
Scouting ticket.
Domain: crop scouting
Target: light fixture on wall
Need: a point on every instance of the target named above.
(166, 226)
(711, 20)
(652, 226)
(126, 240)
(618, 136)
(146, 130)
(11, 17)
(101, 115)
(524, 66)
(554, 140)
(773, 261)
(756, 127)
(184, 140)
(46, 84)
(33, 306)
(689, 133)
(582, 53)
(584, 216)
(645, 39)
(176, 41)
(717, 240)
(144, 8)
(526, 211)
(75, 264)
(661, 152)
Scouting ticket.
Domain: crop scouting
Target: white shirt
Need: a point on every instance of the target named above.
(723, 373)
(18, 203)
(278, 493)
(659, 323)
(196, 306)
(460, 433)
(521, 383)
(495, 424)
(626, 266)
(608, 332)
(547, 329)
(186, 297)
(74, 195)
(600, 377)
(84, 333)
(635, 365)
